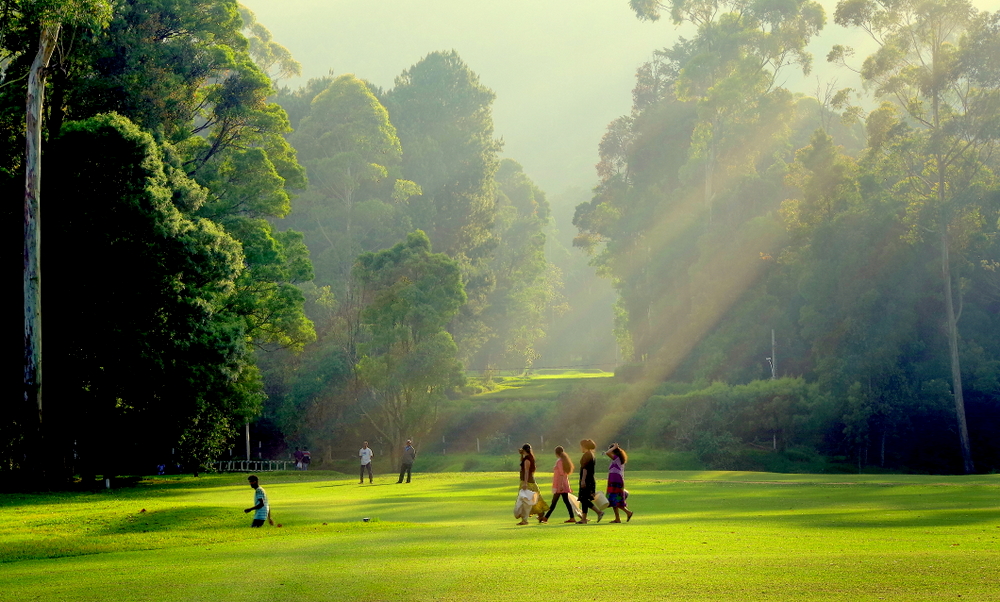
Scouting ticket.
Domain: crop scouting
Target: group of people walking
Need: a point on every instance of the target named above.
(589, 498)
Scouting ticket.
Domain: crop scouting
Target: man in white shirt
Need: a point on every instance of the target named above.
(366, 454)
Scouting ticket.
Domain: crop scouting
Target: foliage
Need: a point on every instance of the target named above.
(717, 230)
(444, 118)
(525, 285)
(409, 294)
(179, 70)
(143, 333)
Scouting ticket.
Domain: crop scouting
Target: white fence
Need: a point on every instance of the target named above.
(254, 465)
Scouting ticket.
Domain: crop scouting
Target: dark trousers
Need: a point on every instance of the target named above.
(369, 467)
(405, 469)
(586, 500)
(257, 522)
(555, 500)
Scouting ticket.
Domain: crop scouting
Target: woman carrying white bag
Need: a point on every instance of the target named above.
(528, 486)
(526, 499)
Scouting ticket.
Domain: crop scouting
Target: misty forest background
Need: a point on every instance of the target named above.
(335, 260)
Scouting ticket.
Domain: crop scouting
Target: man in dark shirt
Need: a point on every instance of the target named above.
(406, 465)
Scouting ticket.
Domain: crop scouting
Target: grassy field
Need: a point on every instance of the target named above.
(695, 536)
(543, 386)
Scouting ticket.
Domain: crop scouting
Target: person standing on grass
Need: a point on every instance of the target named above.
(306, 458)
(588, 486)
(298, 459)
(366, 454)
(406, 463)
(616, 481)
(560, 485)
(528, 482)
(261, 509)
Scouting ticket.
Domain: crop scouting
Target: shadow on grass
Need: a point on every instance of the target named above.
(197, 517)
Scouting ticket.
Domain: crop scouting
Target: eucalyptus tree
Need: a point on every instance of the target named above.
(937, 128)
(730, 68)
(274, 59)
(683, 176)
(352, 154)
(444, 117)
(20, 18)
(527, 286)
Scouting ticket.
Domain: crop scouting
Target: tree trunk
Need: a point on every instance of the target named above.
(956, 369)
(32, 276)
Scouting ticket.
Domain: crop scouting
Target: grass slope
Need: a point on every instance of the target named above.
(695, 536)
(546, 387)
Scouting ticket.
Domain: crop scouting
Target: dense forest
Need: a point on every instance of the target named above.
(800, 274)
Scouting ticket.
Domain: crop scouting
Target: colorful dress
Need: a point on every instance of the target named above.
(616, 483)
(560, 480)
(528, 476)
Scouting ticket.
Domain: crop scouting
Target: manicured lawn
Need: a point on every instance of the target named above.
(695, 536)
(546, 386)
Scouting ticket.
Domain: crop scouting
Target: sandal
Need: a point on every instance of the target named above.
(600, 515)
(629, 516)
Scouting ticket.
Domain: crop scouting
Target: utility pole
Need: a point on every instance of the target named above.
(774, 357)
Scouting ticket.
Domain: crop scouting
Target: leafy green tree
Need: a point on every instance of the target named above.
(274, 59)
(938, 127)
(444, 118)
(409, 359)
(731, 66)
(148, 356)
(350, 149)
(181, 70)
(518, 309)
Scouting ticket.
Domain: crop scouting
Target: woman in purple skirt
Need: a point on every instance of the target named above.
(616, 481)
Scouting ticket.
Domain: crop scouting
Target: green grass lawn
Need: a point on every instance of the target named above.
(452, 536)
(545, 386)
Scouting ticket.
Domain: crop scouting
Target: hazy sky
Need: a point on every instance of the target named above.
(561, 69)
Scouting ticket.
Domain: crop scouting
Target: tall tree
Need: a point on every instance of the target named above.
(518, 308)
(147, 355)
(409, 295)
(445, 123)
(352, 153)
(180, 69)
(49, 17)
(940, 124)
(444, 117)
(733, 64)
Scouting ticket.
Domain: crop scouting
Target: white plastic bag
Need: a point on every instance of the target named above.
(526, 499)
(575, 502)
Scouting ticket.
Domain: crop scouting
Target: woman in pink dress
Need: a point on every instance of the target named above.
(560, 485)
